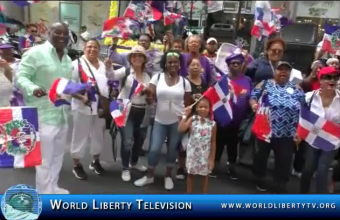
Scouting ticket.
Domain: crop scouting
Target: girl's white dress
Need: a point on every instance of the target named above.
(6, 90)
(198, 148)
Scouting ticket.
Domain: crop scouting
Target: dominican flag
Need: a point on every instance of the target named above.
(170, 18)
(261, 127)
(20, 140)
(331, 40)
(264, 24)
(119, 110)
(62, 87)
(318, 131)
(142, 11)
(121, 27)
(24, 3)
(219, 97)
(136, 88)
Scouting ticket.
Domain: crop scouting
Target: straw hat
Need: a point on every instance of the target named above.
(137, 49)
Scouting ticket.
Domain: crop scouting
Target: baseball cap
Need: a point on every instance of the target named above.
(327, 71)
(211, 39)
(283, 63)
(6, 46)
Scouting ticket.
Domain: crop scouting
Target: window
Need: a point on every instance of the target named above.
(193, 23)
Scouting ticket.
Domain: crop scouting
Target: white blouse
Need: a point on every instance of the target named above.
(6, 89)
(125, 92)
(101, 79)
(330, 113)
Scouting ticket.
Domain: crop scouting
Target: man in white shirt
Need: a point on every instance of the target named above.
(84, 36)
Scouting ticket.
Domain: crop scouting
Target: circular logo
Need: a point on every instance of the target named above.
(21, 202)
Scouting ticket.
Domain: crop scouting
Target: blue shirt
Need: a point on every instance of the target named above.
(260, 69)
(284, 107)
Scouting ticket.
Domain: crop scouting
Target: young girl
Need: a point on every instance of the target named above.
(202, 142)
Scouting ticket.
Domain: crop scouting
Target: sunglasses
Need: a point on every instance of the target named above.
(276, 51)
(331, 77)
(33, 31)
(235, 63)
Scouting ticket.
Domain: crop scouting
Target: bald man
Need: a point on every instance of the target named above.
(39, 67)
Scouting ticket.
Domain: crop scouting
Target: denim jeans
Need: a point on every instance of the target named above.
(319, 161)
(159, 133)
(132, 137)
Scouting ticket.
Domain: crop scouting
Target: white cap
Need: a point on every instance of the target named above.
(211, 39)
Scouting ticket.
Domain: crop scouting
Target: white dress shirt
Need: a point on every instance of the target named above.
(101, 79)
(119, 74)
(331, 113)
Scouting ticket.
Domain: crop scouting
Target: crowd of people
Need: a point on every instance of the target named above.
(172, 105)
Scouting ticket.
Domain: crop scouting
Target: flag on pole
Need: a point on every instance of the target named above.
(317, 131)
(19, 137)
(219, 97)
(331, 39)
(62, 87)
(170, 18)
(264, 24)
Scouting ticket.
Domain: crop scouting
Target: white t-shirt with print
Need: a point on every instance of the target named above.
(170, 99)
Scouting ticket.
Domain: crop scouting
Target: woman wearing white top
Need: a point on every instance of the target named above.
(6, 87)
(87, 125)
(131, 131)
(173, 93)
(325, 102)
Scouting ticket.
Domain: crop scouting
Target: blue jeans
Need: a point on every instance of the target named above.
(133, 137)
(319, 161)
(159, 133)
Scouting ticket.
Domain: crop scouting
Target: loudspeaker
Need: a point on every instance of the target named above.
(301, 42)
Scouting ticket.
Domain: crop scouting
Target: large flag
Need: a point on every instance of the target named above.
(264, 24)
(24, 3)
(219, 97)
(19, 137)
(261, 126)
(317, 131)
(170, 18)
(142, 11)
(121, 27)
(331, 38)
(62, 87)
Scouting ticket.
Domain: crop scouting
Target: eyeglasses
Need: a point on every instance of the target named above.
(34, 31)
(330, 77)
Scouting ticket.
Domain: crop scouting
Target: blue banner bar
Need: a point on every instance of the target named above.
(108, 206)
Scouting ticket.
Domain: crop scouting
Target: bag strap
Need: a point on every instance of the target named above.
(95, 84)
(127, 72)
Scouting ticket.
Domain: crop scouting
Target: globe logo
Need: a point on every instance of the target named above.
(21, 202)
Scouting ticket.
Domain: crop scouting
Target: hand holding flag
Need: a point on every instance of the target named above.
(62, 87)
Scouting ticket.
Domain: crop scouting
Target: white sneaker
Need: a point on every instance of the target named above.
(126, 175)
(139, 167)
(61, 191)
(168, 183)
(294, 173)
(144, 181)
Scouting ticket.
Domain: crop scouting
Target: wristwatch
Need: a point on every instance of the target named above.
(184, 117)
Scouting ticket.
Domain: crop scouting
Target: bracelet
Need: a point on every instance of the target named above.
(184, 117)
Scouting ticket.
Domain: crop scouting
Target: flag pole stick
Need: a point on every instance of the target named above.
(196, 101)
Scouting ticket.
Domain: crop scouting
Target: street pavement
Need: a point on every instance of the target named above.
(111, 182)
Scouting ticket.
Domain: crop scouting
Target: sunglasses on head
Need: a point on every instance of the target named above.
(330, 77)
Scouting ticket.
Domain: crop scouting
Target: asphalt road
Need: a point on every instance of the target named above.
(111, 182)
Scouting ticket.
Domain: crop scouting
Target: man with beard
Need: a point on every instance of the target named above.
(211, 52)
(39, 68)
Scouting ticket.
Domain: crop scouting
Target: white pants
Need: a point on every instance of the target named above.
(53, 141)
(87, 129)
